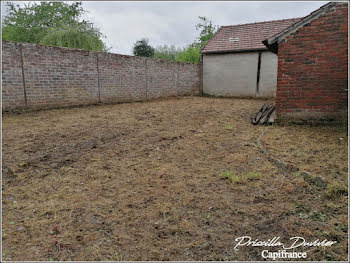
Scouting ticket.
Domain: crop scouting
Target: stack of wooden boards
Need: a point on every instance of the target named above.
(265, 116)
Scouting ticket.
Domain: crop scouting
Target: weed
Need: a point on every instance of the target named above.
(240, 179)
(341, 227)
(304, 215)
(228, 127)
(336, 190)
(208, 95)
(228, 175)
(298, 206)
(314, 215)
(236, 180)
(252, 176)
(318, 216)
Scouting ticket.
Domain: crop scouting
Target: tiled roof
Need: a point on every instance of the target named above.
(246, 36)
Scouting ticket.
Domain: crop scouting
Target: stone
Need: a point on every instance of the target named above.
(307, 176)
(21, 229)
(317, 180)
(320, 182)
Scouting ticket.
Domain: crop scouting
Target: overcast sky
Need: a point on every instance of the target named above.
(173, 23)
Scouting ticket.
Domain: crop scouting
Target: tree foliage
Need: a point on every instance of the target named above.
(207, 31)
(167, 52)
(74, 37)
(187, 54)
(51, 23)
(142, 48)
(190, 53)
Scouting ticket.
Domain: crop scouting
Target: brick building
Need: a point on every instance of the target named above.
(236, 62)
(312, 79)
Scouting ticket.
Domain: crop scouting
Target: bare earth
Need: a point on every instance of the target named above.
(141, 181)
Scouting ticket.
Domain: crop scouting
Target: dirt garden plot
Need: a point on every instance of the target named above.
(176, 179)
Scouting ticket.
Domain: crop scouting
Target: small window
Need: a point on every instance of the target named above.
(233, 39)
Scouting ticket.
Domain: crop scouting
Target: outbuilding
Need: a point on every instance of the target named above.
(312, 81)
(236, 62)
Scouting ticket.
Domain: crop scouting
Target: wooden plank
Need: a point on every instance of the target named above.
(272, 117)
(263, 115)
(267, 114)
(264, 107)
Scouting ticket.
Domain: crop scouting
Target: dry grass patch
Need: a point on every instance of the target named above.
(141, 181)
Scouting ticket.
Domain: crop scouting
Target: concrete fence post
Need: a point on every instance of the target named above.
(177, 79)
(23, 78)
(146, 83)
(98, 79)
(201, 75)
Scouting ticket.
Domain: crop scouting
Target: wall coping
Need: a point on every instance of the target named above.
(101, 52)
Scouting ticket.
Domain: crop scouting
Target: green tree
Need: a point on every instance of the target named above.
(166, 52)
(44, 21)
(142, 48)
(189, 54)
(207, 31)
(75, 37)
(192, 52)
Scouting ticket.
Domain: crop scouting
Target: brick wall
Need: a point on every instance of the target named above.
(59, 76)
(12, 79)
(56, 76)
(313, 69)
(122, 78)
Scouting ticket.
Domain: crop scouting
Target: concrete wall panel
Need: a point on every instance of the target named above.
(235, 74)
(268, 74)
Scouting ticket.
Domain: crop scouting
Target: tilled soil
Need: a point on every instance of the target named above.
(141, 181)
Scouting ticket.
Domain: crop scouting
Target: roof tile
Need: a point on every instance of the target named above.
(250, 35)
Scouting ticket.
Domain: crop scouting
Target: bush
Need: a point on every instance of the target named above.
(167, 52)
(74, 37)
(190, 54)
(142, 48)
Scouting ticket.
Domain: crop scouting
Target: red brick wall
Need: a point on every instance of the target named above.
(56, 76)
(12, 80)
(122, 78)
(164, 85)
(186, 84)
(59, 76)
(313, 68)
